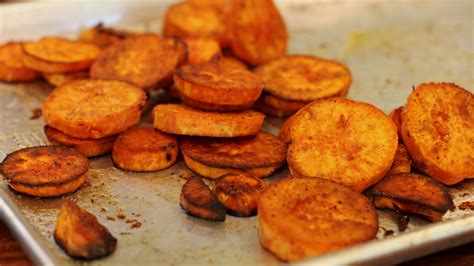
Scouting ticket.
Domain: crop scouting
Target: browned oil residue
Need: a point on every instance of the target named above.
(121, 216)
(36, 113)
(110, 218)
(402, 221)
(136, 225)
(467, 205)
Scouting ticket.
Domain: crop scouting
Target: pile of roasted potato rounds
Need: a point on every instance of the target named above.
(226, 63)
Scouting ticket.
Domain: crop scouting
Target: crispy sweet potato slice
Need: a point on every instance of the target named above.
(239, 193)
(198, 201)
(183, 120)
(258, 155)
(11, 64)
(304, 78)
(60, 50)
(58, 79)
(145, 149)
(88, 147)
(437, 129)
(218, 87)
(413, 193)
(145, 60)
(45, 171)
(395, 115)
(80, 235)
(401, 163)
(304, 217)
(93, 109)
(257, 30)
(202, 50)
(50, 67)
(188, 20)
(103, 36)
(348, 142)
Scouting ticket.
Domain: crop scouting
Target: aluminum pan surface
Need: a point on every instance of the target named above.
(389, 47)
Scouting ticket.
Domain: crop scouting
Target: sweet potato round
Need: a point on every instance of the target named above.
(11, 65)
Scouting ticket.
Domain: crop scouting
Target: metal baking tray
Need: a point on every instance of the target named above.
(389, 47)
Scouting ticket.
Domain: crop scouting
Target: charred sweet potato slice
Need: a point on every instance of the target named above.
(58, 79)
(437, 129)
(145, 60)
(183, 120)
(45, 171)
(11, 64)
(218, 84)
(303, 217)
(88, 147)
(304, 78)
(80, 235)
(257, 31)
(395, 115)
(145, 149)
(239, 193)
(401, 163)
(198, 201)
(258, 155)
(348, 142)
(93, 109)
(103, 36)
(413, 193)
(202, 50)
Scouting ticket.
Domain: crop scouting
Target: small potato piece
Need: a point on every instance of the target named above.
(102, 36)
(11, 65)
(46, 171)
(239, 193)
(183, 120)
(88, 147)
(60, 79)
(438, 131)
(93, 109)
(217, 85)
(304, 78)
(395, 115)
(80, 235)
(145, 149)
(257, 30)
(198, 201)
(258, 155)
(351, 143)
(202, 50)
(304, 217)
(145, 60)
(413, 193)
(401, 163)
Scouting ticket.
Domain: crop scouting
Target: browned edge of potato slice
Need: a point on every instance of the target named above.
(11, 64)
(395, 115)
(401, 163)
(58, 79)
(198, 200)
(103, 36)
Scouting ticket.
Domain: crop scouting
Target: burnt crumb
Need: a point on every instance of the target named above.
(386, 232)
(467, 205)
(136, 225)
(92, 200)
(102, 209)
(121, 216)
(402, 221)
(36, 113)
(168, 156)
(131, 221)
(464, 194)
(452, 208)
(110, 218)
(125, 233)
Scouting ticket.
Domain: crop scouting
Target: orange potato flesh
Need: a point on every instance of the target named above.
(102, 36)
(60, 50)
(202, 50)
(58, 79)
(11, 65)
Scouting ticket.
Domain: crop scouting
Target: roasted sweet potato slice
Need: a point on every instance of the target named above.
(258, 155)
(145, 149)
(271, 111)
(50, 67)
(103, 36)
(11, 64)
(88, 147)
(80, 235)
(188, 20)
(239, 193)
(45, 171)
(257, 30)
(183, 120)
(304, 78)
(145, 60)
(348, 142)
(413, 193)
(401, 163)
(395, 115)
(59, 79)
(304, 217)
(437, 129)
(202, 50)
(218, 87)
(232, 62)
(93, 109)
(198, 201)
(278, 107)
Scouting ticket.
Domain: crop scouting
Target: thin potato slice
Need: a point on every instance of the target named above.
(80, 235)
(258, 155)
(183, 120)
(93, 109)
(257, 30)
(304, 217)
(45, 171)
(351, 143)
(239, 193)
(278, 107)
(202, 50)
(304, 78)
(198, 201)
(145, 149)
(218, 86)
(145, 60)
(11, 64)
(438, 131)
(413, 193)
(58, 79)
(401, 163)
(395, 115)
(271, 111)
(88, 147)
(52, 67)
(103, 36)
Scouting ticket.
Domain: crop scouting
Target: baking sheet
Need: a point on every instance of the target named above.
(389, 47)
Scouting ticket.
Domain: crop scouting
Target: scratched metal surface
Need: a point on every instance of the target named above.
(389, 47)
